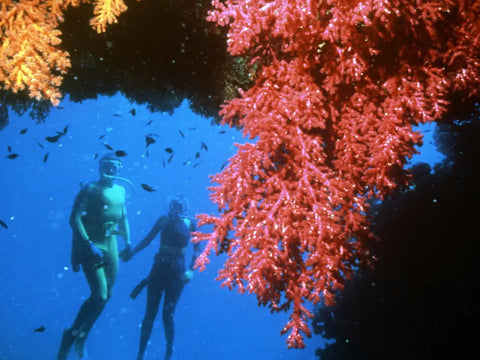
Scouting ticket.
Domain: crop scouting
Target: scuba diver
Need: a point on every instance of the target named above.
(98, 216)
(168, 274)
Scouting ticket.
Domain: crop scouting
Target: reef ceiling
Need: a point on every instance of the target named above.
(159, 53)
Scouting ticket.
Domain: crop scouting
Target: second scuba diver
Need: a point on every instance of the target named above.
(168, 274)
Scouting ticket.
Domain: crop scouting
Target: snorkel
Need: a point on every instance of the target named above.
(109, 166)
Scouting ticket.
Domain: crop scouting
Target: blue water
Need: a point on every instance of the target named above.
(37, 286)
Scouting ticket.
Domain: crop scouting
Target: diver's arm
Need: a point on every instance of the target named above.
(196, 253)
(197, 249)
(77, 223)
(150, 236)
(124, 228)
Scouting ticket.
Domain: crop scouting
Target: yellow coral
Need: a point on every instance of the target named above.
(106, 12)
(30, 57)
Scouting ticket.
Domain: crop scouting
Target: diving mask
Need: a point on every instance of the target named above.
(110, 167)
(178, 205)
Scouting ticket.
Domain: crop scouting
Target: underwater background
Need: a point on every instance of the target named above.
(40, 294)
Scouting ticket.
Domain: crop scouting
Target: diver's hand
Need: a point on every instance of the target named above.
(187, 276)
(127, 253)
(96, 250)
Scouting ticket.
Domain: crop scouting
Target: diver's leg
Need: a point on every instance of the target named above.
(92, 307)
(172, 294)
(65, 345)
(109, 274)
(154, 295)
(89, 311)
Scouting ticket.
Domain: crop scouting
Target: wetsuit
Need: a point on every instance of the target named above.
(98, 210)
(167, 276)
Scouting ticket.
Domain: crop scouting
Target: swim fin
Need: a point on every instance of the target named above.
(138, 289)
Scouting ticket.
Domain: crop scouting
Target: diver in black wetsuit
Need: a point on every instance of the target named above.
(168, 274)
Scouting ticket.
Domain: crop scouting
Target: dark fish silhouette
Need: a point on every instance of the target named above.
(223, 165)
(149, 140)
(12, 156)
(23, 131)
(120, 153)
(195, 165)
(169, 150)
(197, 155)
(107, 146)
(221, 132)
(133, 112)
(117, 114)
(3, 224)
(191, 128)
(45, 157)
(149, 122)
(59, 107)
(102, 136)
(54, 139)
(9, 148)
(40, 329)
(204, 146)
(170, 158)
(163, 163)
(147, 187)
(181, 133)
(95, 157)
(40, 145)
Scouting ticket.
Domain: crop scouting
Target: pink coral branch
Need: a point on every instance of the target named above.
(340, 85)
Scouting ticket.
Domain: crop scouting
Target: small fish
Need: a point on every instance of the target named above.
(149, 122)
(40, 145)
(204, 146)
(23, 131)
(12, 156)
(102, 136)
(191, 128)
(223, 165)
(186, 162)
(222, 132)
(3, 224)
(147, 187)
(54, 139)
(169, 150)
(120, 153)
(60, 107)
(195, 165)
(170, 158)
(133, 112)
(95, 157)
(107, 146)
(9, 148)
(163, 163)
(40, 329)
(117, 114)
(149, 140)
(45, 157)
(181, 133)
(65, 129)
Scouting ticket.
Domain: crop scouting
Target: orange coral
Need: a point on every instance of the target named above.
(30, 56)
(106, 12)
